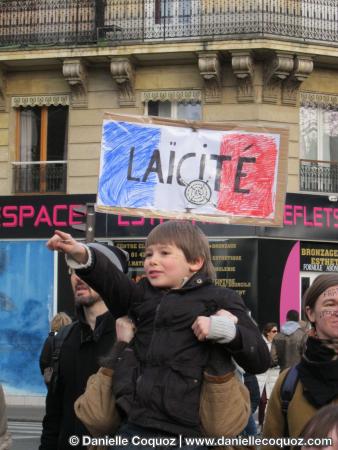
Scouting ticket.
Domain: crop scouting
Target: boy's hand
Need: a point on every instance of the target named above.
(64, 242)
(125, 329)
(201, 327)
(224, 312)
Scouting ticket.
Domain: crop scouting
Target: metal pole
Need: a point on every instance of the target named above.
(90, 222)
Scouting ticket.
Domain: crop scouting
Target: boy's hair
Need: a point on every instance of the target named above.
(60, 320)
(322, 424)
(187, 237)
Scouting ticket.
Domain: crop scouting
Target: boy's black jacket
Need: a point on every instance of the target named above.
(171, 359)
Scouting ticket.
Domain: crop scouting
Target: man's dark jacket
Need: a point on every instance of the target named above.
(79, 358)
(45, 359)
(172, 360)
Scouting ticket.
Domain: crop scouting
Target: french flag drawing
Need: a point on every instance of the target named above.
(178, 170)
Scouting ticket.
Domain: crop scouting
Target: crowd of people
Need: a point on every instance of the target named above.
(175, 355)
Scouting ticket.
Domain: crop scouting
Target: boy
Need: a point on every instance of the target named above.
(174, 309)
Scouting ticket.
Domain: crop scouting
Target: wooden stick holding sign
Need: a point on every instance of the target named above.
(225, 173)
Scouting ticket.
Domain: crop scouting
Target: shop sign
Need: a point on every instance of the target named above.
(318, 257)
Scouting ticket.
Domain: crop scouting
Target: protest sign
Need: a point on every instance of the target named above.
(156, 167)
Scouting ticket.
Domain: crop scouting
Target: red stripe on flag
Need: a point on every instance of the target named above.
(247, 180)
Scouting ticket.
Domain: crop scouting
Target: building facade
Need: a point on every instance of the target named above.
(256, 62)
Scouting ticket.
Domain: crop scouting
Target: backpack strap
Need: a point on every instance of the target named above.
(57, 343)
(286, 394)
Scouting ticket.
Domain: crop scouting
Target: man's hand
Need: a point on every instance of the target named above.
(64, 242)
(201, 327)
(224, 312)
(125, 329)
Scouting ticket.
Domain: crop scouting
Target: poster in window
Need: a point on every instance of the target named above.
(26, 299)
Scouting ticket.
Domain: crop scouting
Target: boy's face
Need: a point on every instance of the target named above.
(166, 266)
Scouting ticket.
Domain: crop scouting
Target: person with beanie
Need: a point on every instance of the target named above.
(89, 338)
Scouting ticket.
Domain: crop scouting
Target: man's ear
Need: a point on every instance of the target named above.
(196, 265)
(310, 314)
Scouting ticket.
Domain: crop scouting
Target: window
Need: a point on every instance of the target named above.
(318, 149)
(166, 11)
(41, 149)
(175, 109)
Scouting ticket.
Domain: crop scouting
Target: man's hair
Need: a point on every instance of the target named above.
(187, 237)
(61, 319)
(292, 315)
(319, 285)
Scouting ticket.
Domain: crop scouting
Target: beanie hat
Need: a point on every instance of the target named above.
(116, 255)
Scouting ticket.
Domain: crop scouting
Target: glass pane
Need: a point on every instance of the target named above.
(162, 109)
(57, 133)
(330, 119)
(309, 133)
(167, 8)
(30, 123)
(189, 111)
(185, 8)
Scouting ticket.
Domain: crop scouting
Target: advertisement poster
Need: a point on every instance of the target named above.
(25, 308)
(235, 261)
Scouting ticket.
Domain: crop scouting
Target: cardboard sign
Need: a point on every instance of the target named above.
(189, 170)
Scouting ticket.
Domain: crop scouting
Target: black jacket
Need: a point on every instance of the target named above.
(171, 358)
(78, 360)
(45, 359)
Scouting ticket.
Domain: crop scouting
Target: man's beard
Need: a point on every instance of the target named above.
(86, 301)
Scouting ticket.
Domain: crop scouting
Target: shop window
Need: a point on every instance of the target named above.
(175, 109)
(318, 149)
(41, 164)
(167, 11)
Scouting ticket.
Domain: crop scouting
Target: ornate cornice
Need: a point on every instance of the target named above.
(192, 95)
(277, 69)
(75, 72)
(317, 99)
(210, 70)
(123, 73)
(243, 68)
(303, 67)
(40, 100)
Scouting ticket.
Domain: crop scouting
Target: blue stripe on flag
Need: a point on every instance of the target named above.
(117, 140)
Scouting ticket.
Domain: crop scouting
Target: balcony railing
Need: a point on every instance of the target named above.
(318, 176)
(39, 177)
(73, 22)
